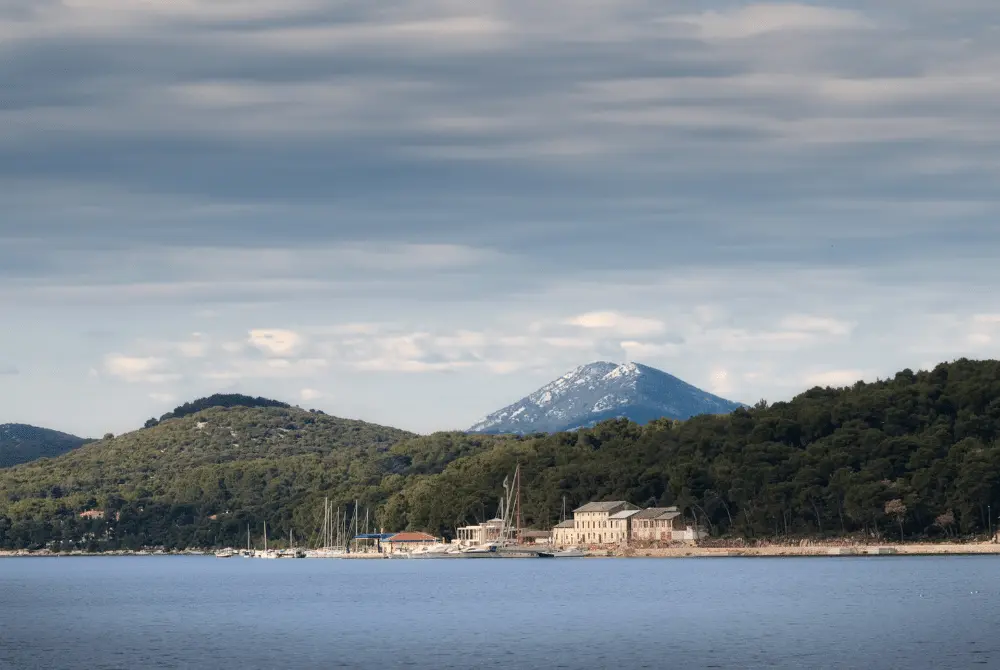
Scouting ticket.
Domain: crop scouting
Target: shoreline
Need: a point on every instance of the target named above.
(812, 550)
(776, 551)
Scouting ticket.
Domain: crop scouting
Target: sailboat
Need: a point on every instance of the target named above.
(291, 552)
(266, 554)
(248, 552)
(571, 552)
(508, 545)
(330, 543)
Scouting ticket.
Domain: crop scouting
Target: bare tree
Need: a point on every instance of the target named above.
(895, 509)
(945, 522)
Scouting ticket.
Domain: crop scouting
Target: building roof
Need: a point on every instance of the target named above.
(536, 533)
(658, 513)
(610, 506)
(409, 536)
(624, 514)
(569, 523)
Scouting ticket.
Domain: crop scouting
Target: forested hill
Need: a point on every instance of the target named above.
(916, 455)
(217, 400)
(20, 443)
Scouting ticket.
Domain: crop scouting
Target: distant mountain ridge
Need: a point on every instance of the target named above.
(602, 390)
(21, 443)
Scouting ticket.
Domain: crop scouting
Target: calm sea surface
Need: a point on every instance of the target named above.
(194, 612)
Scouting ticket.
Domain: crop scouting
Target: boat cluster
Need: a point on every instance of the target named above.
(498, 538)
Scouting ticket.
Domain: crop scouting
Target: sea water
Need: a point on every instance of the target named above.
(204, 612)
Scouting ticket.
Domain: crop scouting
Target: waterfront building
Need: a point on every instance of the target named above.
(407, 541)
(536, 536)
(564, 533)
(593, 521)
(480, 534)
(619, 523)
(656, 524)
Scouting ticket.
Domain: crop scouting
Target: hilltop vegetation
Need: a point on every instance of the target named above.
(217, 400)
(20, 443)
(913, 456)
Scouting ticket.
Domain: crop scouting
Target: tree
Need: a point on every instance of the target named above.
(895, 509)
(945, 522)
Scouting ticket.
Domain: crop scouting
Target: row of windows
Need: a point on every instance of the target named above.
(643, 523)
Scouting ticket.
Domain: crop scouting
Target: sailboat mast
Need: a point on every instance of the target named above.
(517, 486)
(265, 536)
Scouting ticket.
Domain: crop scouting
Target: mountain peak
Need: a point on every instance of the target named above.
(604, 390)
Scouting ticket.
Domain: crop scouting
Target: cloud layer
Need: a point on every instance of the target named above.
(418, 211)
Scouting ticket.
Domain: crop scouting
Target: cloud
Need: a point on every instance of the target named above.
(767, 18)
(163, 398)
(817, 324)
(310, 394)
(274, 368)
(8, 370)
(413, 189)
(620, 324)
(644, 351)
(275, 341)
(719, 381)
(138, 369)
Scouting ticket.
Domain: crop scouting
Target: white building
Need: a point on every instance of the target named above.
(484, 533)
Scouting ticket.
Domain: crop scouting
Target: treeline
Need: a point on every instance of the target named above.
(21, 443)
(217, 400)
(915, 456)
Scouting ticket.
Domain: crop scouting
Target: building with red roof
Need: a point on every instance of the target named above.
(408, 540)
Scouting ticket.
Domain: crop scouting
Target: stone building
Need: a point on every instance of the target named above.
(657, 524)
(616, 523)
(621, 526)
(593, 523)
(564, 534)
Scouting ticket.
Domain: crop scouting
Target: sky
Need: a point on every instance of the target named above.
(417, 212)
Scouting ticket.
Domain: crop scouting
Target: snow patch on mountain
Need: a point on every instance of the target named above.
(600, 391)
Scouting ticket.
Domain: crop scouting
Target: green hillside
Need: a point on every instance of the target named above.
(914, 456)
(240, 465)
(20, 443)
